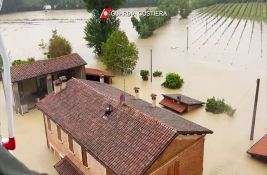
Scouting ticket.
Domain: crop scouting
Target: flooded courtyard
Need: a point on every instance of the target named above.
(208, 70)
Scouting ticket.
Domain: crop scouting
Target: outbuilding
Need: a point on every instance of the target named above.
(98, 75)
(180, 103)
(94, 131)
(32, 82)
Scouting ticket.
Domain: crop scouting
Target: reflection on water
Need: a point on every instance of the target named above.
(208, 71)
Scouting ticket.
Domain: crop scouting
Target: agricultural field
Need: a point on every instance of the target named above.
(230, 22)
(250, 10)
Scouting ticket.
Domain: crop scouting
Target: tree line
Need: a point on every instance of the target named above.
(10, 6)
(146, 25)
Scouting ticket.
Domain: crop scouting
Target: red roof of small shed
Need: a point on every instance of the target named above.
(181, 108)
(260, 148)
(97, 72)
(183, 99)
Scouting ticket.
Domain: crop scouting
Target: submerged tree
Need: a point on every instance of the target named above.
(218, 106)
(57, 46)
(119, 54)
(22, 62)
(98, 29)
(184, 8)
(146, 25)
(173, 81)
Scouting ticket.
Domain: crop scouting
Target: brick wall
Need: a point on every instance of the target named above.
(184, 156)
(61, 149)
(95, 167)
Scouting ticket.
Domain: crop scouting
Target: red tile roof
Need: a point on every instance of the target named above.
(260, 148)
(43, 67)
(97, 72)
(66, 167)
(180, 108)
(129, 141)
(181, 125)
(184, 99)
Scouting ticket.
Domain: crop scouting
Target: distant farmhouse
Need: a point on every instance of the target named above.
(47, 7)
(32, 82)
(96, 130)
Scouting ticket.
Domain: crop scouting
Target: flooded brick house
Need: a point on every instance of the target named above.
(32, 82)
(93, 131)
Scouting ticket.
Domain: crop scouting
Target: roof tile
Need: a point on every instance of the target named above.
(66, 167)
(43, 67)
(127, 142)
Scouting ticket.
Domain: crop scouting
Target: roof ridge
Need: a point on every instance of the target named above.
(87, 85)
(44, 60)
(146, 116)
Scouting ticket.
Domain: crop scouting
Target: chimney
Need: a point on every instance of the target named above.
(101, 78)
(57, 86)
(63, 80)
(122, 99)
(179, 99)
(136, 91)
(154, 99)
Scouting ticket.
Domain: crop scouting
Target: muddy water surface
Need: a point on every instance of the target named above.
(208, 70)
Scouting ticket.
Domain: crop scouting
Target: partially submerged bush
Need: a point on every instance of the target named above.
(218, 106)
(20, 62)
(144, 74)
(173, 81)
(157, 73)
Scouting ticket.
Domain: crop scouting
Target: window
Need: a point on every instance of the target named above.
(70, 143)
(59, 133)
(84, 157)
(49, 124)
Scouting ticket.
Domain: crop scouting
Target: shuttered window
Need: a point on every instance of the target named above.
(59, 133)
(49, 124)
(84, 157)
(70, 143)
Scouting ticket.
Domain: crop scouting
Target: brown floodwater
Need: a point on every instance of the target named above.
(208, 70)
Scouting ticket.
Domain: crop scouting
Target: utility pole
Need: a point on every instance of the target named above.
(151, 64)
(255, 110)
(187, 30)
(124, 70)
